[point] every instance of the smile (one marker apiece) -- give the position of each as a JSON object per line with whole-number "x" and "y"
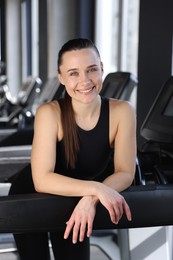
{"x": 86, "y": 90}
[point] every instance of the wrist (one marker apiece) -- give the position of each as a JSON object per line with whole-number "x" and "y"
{"x": 97, "y": 187}
{"x": 95, "y": 200}
{"x": 92, "y": 199}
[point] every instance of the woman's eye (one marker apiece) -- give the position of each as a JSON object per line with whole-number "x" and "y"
{"x": 75, "y": 73}
{"x": 92, "y": 69}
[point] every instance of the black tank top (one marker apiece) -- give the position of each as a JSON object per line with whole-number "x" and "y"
{"x": 95, "y": 159}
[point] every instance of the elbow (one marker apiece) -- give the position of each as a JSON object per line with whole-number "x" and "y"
{"x": 130, "y": 179}
{"x": 40, "y": 182}
{"x": 39, "y": 186}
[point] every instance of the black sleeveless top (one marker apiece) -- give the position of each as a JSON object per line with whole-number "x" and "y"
{"x": 95, "y": 158}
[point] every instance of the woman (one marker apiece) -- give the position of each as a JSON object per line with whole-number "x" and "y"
{"x": 84, "y": 145}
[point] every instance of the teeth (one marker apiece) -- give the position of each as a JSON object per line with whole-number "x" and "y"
{"x": 85, "y": 91}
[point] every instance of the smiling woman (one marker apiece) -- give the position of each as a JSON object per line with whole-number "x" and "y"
{"x": 73, "y": 154}
{"x": 81, "y": 72}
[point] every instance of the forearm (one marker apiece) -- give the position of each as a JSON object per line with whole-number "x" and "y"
{"x": 58, "y": 184}
{"x": 119, "y": 181}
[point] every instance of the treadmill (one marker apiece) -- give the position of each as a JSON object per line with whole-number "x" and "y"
{"x": 18, "y": 140}
{"x": 156, "y": 176}
{"x": 157, "y": 151}
{"x": 119, "y": 85}
{"x": 13, "y": 111}
{"x": 30, "y": 98}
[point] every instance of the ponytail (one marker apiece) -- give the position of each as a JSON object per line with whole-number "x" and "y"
{"x": 71, "y": 142}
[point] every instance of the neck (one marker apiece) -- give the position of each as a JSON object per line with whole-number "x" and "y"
{"x": 87, "y": 115}
{"x": 86, "y": 109}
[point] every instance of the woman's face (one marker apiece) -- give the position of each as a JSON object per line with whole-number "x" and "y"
{"x": 81, "y": 72}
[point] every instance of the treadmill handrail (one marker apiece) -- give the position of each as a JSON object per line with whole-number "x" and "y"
{"x": 150, "y": 206}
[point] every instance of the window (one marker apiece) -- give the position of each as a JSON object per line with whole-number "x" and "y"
{"x": 116, "y": 34}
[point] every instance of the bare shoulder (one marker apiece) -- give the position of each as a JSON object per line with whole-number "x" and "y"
{"x": 48, "y": 118}
{"x": 48, "y": 110}
{"x": 121, "y": 108}
{"x": 122, "y": 119}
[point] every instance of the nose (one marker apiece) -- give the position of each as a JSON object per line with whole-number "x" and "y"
{"x": 84, "y": 78}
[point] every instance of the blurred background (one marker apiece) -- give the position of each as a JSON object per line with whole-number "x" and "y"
{"x": 135, "y": 41}
{"x": 33, "y": 31}
{"x": 132, "y": 35}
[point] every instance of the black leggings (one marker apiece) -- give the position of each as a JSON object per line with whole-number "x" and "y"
{"x": 34, "y": 246}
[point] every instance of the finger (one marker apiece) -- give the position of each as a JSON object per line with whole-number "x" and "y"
{"x": 82, "y": 231}
{"x": 112, "y": 214}
{"x": 118, "y": 213}
{"x": 127, "y": 211}
{"x": 90, "y": 227}
{"x": 75, "y": 232}
{"x": 69, "y": 226}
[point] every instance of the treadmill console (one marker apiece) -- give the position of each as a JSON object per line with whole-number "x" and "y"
{"x": 158, "y": 125}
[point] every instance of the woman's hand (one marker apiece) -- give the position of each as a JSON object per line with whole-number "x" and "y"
{"x": 114, "y": 202}
{"x": 81, "y": 220}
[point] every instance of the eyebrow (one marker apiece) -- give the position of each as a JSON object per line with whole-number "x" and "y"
{"x": 90, "y": 66}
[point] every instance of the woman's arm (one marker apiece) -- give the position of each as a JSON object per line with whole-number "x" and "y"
{"x": 123, "y": 135}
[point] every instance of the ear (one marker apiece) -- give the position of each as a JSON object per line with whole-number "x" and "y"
{"x": 60, "y": 78}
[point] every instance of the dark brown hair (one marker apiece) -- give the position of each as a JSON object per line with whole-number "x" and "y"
{"x": 71, "y": 142}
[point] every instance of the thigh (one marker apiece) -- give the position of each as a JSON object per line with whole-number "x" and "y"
{"x": 65, "y": 249}
{"x": 32, "y": 246}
